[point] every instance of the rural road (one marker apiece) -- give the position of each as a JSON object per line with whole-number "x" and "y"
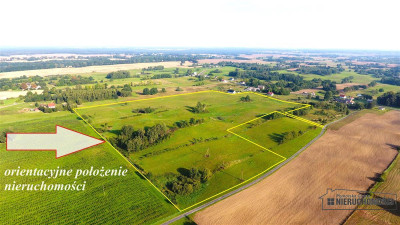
{"x": 254, "y": 181}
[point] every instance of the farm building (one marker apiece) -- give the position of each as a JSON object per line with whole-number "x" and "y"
{"x": 252, "y": 89}
{"x": 30, "y": 86}
{"x": 345, "y": 99}
{"x": 231, "y": 91}
{"x": 270, "y": 93}
{"x": 308, "y": 93}
{"x": 51, "y": 105}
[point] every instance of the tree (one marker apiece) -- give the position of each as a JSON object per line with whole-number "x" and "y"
{"x": 327, "y": 96}
{"x": 24, "y": 86}
{"x": 146, "y": 91}
{"x": 372, "y": 84}
{"x": 153, "y": 91}
{"x": 200, "y": 108}
{"x": 245, "y": 99}
{"x": 178, "y": 89}
{"x": 163, "y": 90}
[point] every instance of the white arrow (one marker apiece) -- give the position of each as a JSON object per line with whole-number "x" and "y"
{"x": 64, "y": 141}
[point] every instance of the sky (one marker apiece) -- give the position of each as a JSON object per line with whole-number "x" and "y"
{"x": 310, "y": 24}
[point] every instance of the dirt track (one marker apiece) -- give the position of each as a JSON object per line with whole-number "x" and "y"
{"x": 346, "y": 158}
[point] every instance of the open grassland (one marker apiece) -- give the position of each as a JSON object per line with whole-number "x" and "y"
{"x": 374, "y": 91}
{"x": 206, "y": 145}
{"x": 358, "y": 78}
{"x": 389, "y": 184}
{"x": 129, "y": 199}
{"x": 88, "y": 69}
{"x": 15, "y": 94}
{"x": 346, "y": 158}
{"x": 269, "y": 133}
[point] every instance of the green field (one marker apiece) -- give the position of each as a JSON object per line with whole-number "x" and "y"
{"x": 268, "y": 133}
{"x": 207, "y": 145}
{"x": 129, "y": 200}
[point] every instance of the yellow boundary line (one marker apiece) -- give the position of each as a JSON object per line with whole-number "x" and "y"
{"x": 228, "y": 130}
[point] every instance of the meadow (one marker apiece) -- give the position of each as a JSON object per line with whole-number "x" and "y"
{"x": 129, "y": 199}
{"x": 206, "y": 145}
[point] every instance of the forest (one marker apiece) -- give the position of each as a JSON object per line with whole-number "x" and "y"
{"x": 320, "y": 70}
{"x": 76, "y": 95}
{"x": 390, "y": 99}
{"x": 132, "y": 140}
{"x": 94, "y": 61}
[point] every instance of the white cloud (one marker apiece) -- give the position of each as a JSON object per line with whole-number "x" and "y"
{"x": 345, "y": 24}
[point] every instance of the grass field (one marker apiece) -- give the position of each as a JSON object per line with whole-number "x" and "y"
{"x": 268, "y": 133}
{"x": 242, "y": 159}
{"x": 127, "y": 199}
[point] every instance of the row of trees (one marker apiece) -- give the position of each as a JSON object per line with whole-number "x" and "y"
{"x": 132, "y": 140}
{"x": 152, "y": 91}
{"x": 354, "y": 88}
{"x": 69, "y": 80}
{"x": 160, "y": 76}
{"x": 75, "y": 95}
{"x": 121, "y": 74}
{"x": 144, "y": 110}
{"x": 188, "y": 123}
{"x": 152, "y": 68}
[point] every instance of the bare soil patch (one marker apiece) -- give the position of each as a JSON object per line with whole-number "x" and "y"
{"x": 315, "y": 90}
{"x": 215, "y": 61}
{"x": 88, "y": 69}
{"x": 342, "y": 86}
{"x": 14, "y": 94}
{"x": 346, "y": 158}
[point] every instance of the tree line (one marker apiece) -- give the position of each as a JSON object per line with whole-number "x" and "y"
{"x": 77, "y": 95}
{"x": 121, "y": 74}
{"x": 320, "y": 70}
{"x": 96, "y": 61}
{"x": 132, "y": 140}
{"x": 389, "y": 99}
{"x": 69, "y": 80}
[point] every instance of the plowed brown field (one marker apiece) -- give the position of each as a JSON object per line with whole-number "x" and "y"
{"x": 346, "y": 158}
